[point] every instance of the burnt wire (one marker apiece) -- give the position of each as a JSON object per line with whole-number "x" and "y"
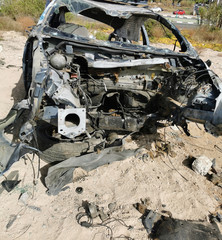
{"x": 109, "y": 229}
{"x": 197, "y": 126}
{"x": 176, "y": 169}
{"x": 188, "y": 89}
{"x": 111, "y": 220}
{"x": 38, "y": 166}
{"x": 168, "y": 35}
{"x": 93, "y": 107}
{"x": 89, "y": 223}
{"x": 121, "y": 106}
{"x": 124, "y": 237}
{"x": 34, "y": 173}
{"x": 37, "y": 153}
{"x": 33, "y": 169}
{"x": 23, "y": 232}
{"x": 85, "y": 98}
{"x": 80, "y": 216}
{"x": 99, "y": 81}
{"x": 5, "y": 177}
{"x": 196, "y": 80}
{"x": 173, "y": 167}
{"x": 88, "y": 95}
{"x": 218, "y": 148}
{"x": 109, "y": 113}
{"x": 200, "y": 71}
{"x": 198, "y": 146}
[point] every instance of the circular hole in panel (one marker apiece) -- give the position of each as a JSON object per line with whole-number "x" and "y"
{"x": 72, "y": 120}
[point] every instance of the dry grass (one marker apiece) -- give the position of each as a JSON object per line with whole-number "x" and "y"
{"x": 204, "y": 37}
{"x": 204, "y": 34}
{"x": 26, "y": 22}
{"x": 158, "y": 32}
{"x": 20, "y": 25}
{"x": 8, "y": 24}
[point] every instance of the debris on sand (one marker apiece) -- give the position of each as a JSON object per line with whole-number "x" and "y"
{"x": 202, "y": 165}
{"x": 159, "y": 226}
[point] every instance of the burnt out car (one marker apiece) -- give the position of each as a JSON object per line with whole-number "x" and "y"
{"x": 85, "y": 87}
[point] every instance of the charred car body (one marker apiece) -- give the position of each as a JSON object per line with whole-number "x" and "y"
{"x": 82, "y": 91}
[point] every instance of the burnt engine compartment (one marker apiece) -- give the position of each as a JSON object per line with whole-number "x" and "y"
{"x": 95, "y": 90}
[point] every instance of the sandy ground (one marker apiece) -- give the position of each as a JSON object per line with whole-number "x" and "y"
{"x": 165, "y": 182}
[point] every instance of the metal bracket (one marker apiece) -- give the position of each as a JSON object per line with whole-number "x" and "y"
{"x": 71, "y": 122}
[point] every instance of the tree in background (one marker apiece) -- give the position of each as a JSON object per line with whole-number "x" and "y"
{"x": 213, "y": 15}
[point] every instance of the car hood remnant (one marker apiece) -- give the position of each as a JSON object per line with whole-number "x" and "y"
{"x": 163, "y": 227}
{"x": 91, "y": 75}
{"x": 62, "y": 173}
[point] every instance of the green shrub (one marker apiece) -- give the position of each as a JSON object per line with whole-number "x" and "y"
{"x": 214, "y": 15}
{"x": 157, "y": 30}
{"x": 70, "y": 17}
{"x": 101, "y": 36}
{"x": 16, "y": 8}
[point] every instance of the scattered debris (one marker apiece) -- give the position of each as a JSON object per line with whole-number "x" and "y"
{"x": 103, "y": 216}
{"x": 2, "y": 62}
{"x": 24, "y": 197}
{"x": 79, "y": 174}
{"x": 112, "y": 207}
{"x": 9, "y": 185}
{"x": 145, "y": 201}
{"x": 34, "y": 208}
{"x": 142, "y": 154}
{"x": 163, "y": 227}
{"x": 91, "y": 214}
{"x": 159, "y": 148}
{"x": 202, "y": 165}
{"x": 170, "y": 229}
{"x": 144, "y": 157}
{"x": 79, "y": 190}
{"x": 62, "y": 173}
{"x": 26, "y": 229}
{"x": 216, "y": 179}
{"x": 216, "y": 217}
{"x": 12, "y": 218}
{"x": 11, "y": 181}
{"x": 93, "y": 210}
{"x": 218, "y": 148}
{"x": 13, "y": 66}
{"x": 140, "y": 207}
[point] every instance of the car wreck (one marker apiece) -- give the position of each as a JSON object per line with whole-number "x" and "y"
{"x": 83, "y": 92}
